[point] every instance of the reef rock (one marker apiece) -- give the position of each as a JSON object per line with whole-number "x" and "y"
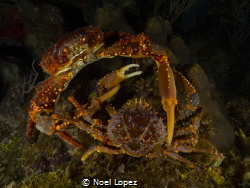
{"x": 158, "y": 30}
{"x": 111, "y": 18}
{"x": 180, "y": 50}
{"x": 223, "y": 137}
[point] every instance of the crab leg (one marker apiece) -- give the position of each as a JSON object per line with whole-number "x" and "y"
{"x": 107, "y": 87}
{"x": 167, "y": 90}
{"x": 116, "y": 77}
{"x": 193, "y": 127}
{"x": 101, "y": 149}
{"x": 65, "y": 136}
{"x": 45, "y": 99}
{"x": 94, "y": 132}
{"x": 192, "y": 97}
{"x": 94, "y": 105}
{"x": 140, "y": 46}
{"x": 174, "y": 156}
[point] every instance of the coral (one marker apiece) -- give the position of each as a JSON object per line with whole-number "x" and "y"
{"x": 246, "y": 83}
{"x": 177, "y": 7}
{"x": 239, "y": 113}
{"x": 215, "y": 174}
{"x": 243, "y": 142}
{"x": 12, "y": 111}
{"x": 42, "y": 25}
{"x": 223, "y": 136}
{"x": 158, "y": 30}
{"x": 24, "y": 23}
{"x": 9, "y": 74}
{"x": 28, "y": 85}
{"x": 180, "y": 50}
{"x": 241, "y": 29}
{"x": 50, "y": 179}
{"x": 32, "y": 162}
{"x": 111, "y": 18}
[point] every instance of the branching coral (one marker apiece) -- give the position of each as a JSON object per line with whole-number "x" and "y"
{"x": 28, "y": 86}
{"x": 173, "y": 7}
{"x": 241, "y": 30}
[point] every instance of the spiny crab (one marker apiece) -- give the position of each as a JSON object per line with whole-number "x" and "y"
{"x": 135, "y": 130}
{"x": 75, "y": 50}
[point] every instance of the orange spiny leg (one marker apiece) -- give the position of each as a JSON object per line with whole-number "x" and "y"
{"x": 174, "y": 156}
{"x": 171, "y": 152}
{"x": 168, "y": 94}
{"x": 193, "y": 127}
{"x": 191, "y": 130}
{"x": 65, "y": 136}
{"x": 192, "y": 97}
{"x": 188, "y": 149}
{"x": 137, "y": 46}
{"x": 107, "y": 87}
{"x": 47, "y": 125}
{"x": 140, "y": 46}
{"x": 81, "y": 109}
{"x": 94, "y": 132}
{"x": 101, "y": 149}
{"x": 44, "y": 101}
{"x": 93, "y": 105}
{"x": 30, "y": 127}
{"x": 63, "y": 60}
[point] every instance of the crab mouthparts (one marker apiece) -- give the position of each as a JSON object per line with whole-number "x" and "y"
{"x": 134, "y": 145}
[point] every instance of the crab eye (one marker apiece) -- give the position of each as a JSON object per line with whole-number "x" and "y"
{"x": 65, "y": 50}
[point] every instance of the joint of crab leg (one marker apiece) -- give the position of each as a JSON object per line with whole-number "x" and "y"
{"x": 176, "y": 156}
{"x": 61, "y": 126}
{"x": 169, "y": 107}
{"x": 192, "y": 97}
{"x": 95, "y": 104}
{"x": 116, "y": 77}
{"x": 30, "y": 127}
{"x": 81, "y": 110}
{"x": 96, "y": 133}
{"x": 101, "y": 149}
{"x": 45, "y": 124}
{"x": 168, "y": 94}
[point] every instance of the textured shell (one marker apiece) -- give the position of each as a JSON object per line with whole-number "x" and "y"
{"x": 71, "y": 48}
{"x": 136, "y": 128}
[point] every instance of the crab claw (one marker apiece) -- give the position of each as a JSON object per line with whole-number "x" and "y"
{"x": 116, "y": 77}
{"x": 107, "y": 87}
{"x": 167, "y": 90}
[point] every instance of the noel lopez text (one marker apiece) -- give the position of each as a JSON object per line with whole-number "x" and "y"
{"x": 123, "y": 183}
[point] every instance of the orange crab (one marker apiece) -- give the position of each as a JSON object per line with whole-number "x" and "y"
{"x": 75, "y": 50}
{"x": 135, "y": 129}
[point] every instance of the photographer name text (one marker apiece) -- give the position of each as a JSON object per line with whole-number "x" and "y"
{"x": 122, "y": 183}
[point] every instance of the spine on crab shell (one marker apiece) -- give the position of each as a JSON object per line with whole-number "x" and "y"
{"x": 46, "y": 96}
{"x": 76, "y": 46}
